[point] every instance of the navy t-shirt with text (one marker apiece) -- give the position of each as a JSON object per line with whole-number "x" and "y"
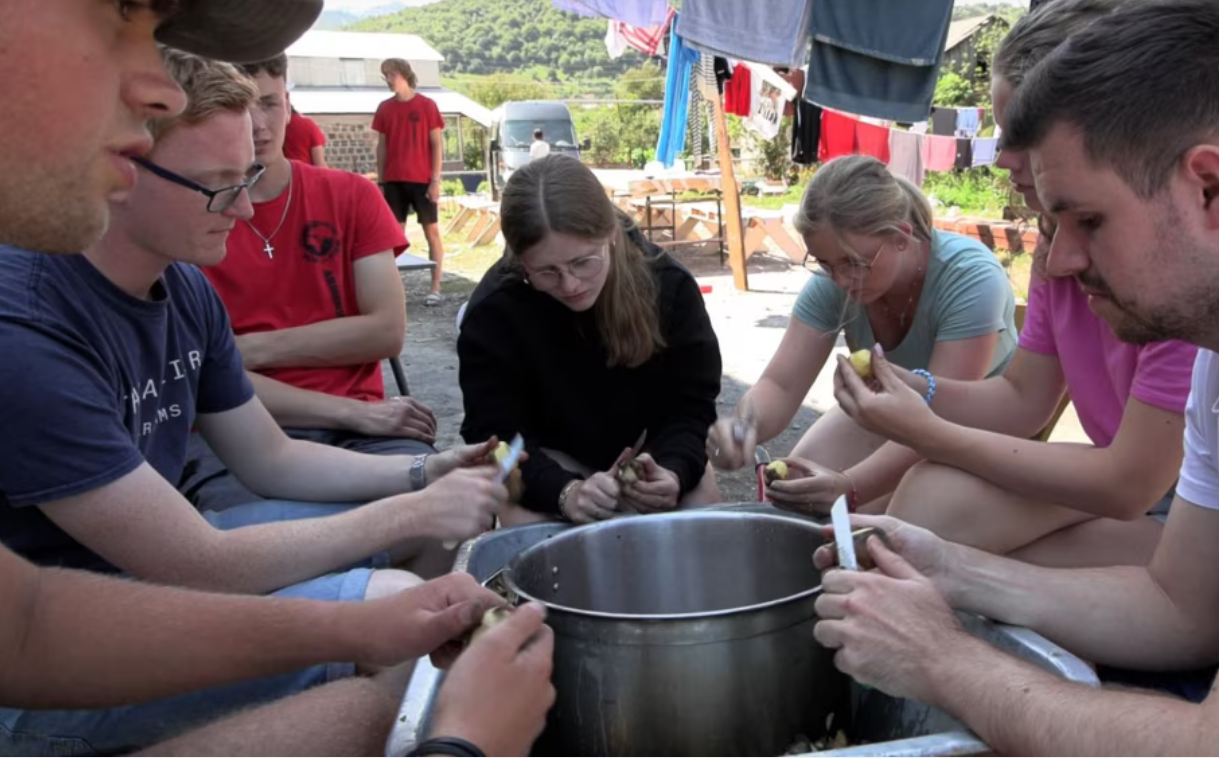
{"x": 94, "y": 382}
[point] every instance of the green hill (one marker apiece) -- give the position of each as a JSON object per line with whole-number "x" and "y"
{"x": 509, "y": 36}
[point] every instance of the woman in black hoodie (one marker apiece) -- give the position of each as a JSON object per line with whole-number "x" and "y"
{"x": 582, "y": 337}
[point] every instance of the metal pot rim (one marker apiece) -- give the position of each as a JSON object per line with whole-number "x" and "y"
{"x": 525, "y": 596}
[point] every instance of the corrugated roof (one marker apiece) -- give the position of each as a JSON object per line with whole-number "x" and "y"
{"x": 321, "y": 44}
{"x": 959, "y": 31}
{"x": 365, "y": 100}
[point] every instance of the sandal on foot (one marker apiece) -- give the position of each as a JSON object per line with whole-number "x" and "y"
{"x": 433, "y": 299}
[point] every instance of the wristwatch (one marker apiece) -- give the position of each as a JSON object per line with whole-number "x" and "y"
{"x": 419, "y": 472}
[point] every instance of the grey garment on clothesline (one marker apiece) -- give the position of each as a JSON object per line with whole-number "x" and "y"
{"x": 774, "y": 32}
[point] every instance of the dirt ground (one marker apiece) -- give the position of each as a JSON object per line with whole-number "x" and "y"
{"x": 749, "y": 326}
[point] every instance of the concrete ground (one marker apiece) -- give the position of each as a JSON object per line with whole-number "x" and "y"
{"x": 749, "y": 326}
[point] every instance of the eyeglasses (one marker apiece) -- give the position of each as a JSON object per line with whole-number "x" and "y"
{"x": 852, "y": 268}
{"x": 218, "y": 201}
{"x": 583, "y": 269}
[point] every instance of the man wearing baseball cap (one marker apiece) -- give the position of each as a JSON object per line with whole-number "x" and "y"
{"x": 74, "y": 640}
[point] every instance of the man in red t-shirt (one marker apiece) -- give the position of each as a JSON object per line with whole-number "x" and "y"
{"x": 410, "y": 150}
{"x": 304, "y": 141}
{"x": 316, "y": 302}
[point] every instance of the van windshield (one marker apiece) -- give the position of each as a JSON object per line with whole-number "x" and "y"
{"x": 518, "y": 134}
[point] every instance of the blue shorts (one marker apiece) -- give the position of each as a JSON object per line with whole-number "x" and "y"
{"x": 92, "y": 732}
{"x": 1193, "y": 685}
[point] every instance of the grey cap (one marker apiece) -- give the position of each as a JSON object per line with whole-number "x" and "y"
{"x": 238, "y": 31}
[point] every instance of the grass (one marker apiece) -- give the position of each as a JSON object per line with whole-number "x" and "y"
{"x": 981, "y": 191}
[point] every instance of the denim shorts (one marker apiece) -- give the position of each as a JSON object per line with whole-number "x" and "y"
{"x": 92, "y": 732}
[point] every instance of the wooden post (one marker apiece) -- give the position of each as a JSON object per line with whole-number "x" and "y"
{"x": 732, "y": 200}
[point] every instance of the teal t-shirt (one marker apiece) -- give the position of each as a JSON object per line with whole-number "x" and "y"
{"x": 966, "y": 294}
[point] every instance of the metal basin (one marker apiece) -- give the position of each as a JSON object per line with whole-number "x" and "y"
{"x": 888, "y": 726}
{"x": 683, "y": 633}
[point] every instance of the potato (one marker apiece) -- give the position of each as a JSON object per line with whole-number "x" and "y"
{"x": 861, "y": 362}
{"x": 491, "y": 618}
{"x": 775, "y": 470}
{"x": 501, "y": 452}
{"x": 628, "y": 472}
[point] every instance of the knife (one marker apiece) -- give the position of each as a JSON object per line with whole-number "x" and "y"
{"x": 859, "y": 539}
{"x": 509, "y": 463}
{"x": 637, "y": 448}
{"x": 842, "y": 535}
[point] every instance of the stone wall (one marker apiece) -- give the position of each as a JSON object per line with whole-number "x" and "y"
{"x": 351, "y": 143}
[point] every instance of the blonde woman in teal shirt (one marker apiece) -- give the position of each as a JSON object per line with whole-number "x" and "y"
{"x": 933, "y": 300}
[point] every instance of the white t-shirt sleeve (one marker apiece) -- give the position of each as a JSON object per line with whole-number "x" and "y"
{"x": 1199, "y": 483}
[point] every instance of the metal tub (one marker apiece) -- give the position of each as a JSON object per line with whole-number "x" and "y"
{"x": 888, "y": 727}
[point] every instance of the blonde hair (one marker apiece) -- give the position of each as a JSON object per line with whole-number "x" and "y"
{"x": 560, "y": 194}
{"x": 857, "y": 194}
{"x": 399, "y": 66}
{"x": 211, "y": 87}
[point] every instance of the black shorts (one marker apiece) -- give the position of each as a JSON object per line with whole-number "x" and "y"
{"x": 403, "y": 196}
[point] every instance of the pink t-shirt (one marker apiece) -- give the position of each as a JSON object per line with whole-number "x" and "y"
{"x": 1102, "y": 372}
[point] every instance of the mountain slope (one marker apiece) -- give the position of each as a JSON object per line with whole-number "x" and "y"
{"x": 508, "y": 36}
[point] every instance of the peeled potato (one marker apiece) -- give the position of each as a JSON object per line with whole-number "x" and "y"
{"x": 628, "y": 473}
{"x": 491, "y": 618}
{"x": 861, "y": 362}
{"x": 501, "y": 452}
{"x": 775, "y": 470}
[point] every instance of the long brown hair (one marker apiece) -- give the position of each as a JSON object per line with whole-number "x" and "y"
{"x": 559, "y": 194}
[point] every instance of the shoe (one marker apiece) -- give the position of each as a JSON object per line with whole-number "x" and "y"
{"x": 433, "y": 299}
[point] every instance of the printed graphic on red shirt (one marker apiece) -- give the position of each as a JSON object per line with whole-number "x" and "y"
{"x": 407, "y": 126}
{"x": 336, "y": 218}
{"x": 301, "y": 137}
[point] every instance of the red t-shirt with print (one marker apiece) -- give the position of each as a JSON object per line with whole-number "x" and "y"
{"x": 407, "y": 126}
{"x": 301, "y": 137}
{"x": 335, "y": 219}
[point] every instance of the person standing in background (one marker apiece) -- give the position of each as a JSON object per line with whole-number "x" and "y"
{"x": 410, "y": 150}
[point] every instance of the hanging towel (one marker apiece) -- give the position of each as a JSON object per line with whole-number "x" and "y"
{"x": 944, "y": 121}
{"x": 877, "y": 57}
{"x": 633, "y": 12}
{"x": 906, "y": 155}
{"x": 649, "y": 40}
{"x": 939, "y": 153}
{"x": 872, "y": 140}
{"x": 967, "y": 122}
{"x": 806, "y": 132}
{"x": 615, "y": 43}
{"x": 738, "y": 93}
{"x": 677, "y": 97}
{"x": 965, "y": 153}
{"x": 986, "y": 149}
{"x": 837, "y": 135}
{"x": 919, "y": 127}
{"x": 776, "y": 33}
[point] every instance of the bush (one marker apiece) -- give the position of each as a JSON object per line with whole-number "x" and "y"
{"x": 980, "y": 191}
{"x": 452, "y": 187}
{"x": 483, "y": 187}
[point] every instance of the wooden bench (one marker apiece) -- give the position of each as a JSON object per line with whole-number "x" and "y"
{"x": 482, "y": 218}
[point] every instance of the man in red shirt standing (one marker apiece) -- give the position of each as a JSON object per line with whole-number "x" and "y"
{"x": 409, "y": 155}
{"x": 316, "y": 302}
{"x": 304, "y": 141}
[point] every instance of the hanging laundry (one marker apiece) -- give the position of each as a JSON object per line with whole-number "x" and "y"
{"x": 649, "y": 40}
{"x": 877, "y": 57}
{"x": 919, "y": 127}
{"x": 985, "y": 150}
{"x": 965, "y": 154}
{"x": 723, "y": 72}
{"x": 777, "y": 34}
{"x": 837, "y": 135}
{"x": 906, "y": 155}
{"x": 765, "y": 107}
{"x": 872, "y": 140}
{"x": 615, "y": 43}
{"x": 939, "y": 153}
{"x": 694, "y": 116}
{"x": 633, "y": 12}
{"x": 967, "y": 122}
{"x": 806, "y": 132}
{"x": 738, "y": 93}
{"x": 677, "y": 95}
{"x": 944, "y": 121}
{"x": 795, "y": 78}
{"x": 706, "y": 78}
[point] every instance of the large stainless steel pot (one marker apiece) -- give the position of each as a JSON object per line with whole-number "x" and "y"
{"x": 682, "y": 634}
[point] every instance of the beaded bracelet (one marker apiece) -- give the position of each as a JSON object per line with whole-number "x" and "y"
{"x": 930, "y": 396}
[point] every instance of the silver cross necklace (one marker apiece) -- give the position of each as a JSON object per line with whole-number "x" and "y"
{"x": 268, "y": 248}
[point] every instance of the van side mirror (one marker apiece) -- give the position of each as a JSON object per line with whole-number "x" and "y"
{"x": 587, "y": 144}
{"x": 494, "y": 146}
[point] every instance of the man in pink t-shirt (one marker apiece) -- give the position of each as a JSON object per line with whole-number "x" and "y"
{"x": 984, "y": 483}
